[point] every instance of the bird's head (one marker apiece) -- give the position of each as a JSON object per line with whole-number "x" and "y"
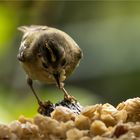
{"x": 38, "y": 45}
{"x": 53, "y": 59}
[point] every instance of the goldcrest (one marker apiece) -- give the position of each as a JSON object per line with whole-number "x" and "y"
{"x": 48, "y": 55}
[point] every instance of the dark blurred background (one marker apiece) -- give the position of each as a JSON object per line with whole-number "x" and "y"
{"x": 108, "y": 33}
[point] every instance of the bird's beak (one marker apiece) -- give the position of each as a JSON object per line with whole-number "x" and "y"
{"x": 57, "y": 78}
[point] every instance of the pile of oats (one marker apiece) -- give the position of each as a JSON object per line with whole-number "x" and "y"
{"x": 97, "y": 122}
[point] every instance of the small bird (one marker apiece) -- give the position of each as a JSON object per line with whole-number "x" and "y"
{"x": 48, "y": 55}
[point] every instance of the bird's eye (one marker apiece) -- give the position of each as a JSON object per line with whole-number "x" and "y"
{"x": 45, "y": 65}
{"x": 27, "y": 43}
{"x": 63, "y": 62}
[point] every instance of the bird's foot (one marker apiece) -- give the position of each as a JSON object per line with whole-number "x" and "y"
{"x": 69, "y": 98}
{"x": 45, "y": 108}
{"x": 46, "y": 103}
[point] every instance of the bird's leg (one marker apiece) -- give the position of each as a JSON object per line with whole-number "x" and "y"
{"x": 44, "y": 107}
{"x": 68, "y": 97}
{"x": 30, "y": 83}
{"x": 60, "y": 85}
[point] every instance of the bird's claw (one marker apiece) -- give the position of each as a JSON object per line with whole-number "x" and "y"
{"x": 69, "y": 98}
{"x": 45, "y": 107}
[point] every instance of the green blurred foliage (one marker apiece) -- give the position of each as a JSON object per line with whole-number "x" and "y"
{"x": 14, "y": 104}
{"x": 7, "y": 25}
{"x": 108, "y": 33}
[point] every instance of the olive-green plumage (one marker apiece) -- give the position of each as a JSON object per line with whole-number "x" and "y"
{"x": 48, "y": 54}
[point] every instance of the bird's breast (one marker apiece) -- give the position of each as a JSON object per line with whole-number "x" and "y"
{"x": 36, "y": 72}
